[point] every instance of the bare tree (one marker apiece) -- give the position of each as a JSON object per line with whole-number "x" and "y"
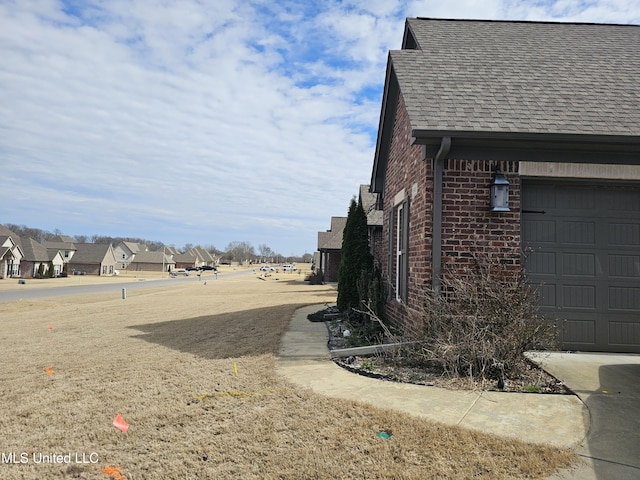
{"x": 240, "y": 251}
{"x": 265, "y": 252}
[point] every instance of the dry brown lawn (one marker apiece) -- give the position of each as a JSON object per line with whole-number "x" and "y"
{"x": 190, "y": 367}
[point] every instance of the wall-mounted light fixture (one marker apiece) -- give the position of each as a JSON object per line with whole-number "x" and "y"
{"x": 499, "y": 192}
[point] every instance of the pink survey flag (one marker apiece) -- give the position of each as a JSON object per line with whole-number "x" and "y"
{"x": 120, "y": 423}
{"x": 51, "y": 327}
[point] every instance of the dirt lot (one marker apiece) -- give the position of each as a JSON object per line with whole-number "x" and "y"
{"x": 190, "y": 368}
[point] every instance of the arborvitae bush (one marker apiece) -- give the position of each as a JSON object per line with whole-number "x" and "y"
{"x": 356, "y": 260}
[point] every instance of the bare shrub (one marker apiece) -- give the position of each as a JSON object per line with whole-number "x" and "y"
{"x": 316, "y": 278}
{"x": 483, "y": 321}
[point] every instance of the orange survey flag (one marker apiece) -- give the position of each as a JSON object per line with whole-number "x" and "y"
{"x": 120, "y": 423}
{"x": 113, "y": 472}
{"x": 49, "y": 371}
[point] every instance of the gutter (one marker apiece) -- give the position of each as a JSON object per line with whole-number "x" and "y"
{"x": 436, "y": 235}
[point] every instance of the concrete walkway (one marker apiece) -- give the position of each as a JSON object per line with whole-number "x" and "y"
{"x": 560, "y": 420}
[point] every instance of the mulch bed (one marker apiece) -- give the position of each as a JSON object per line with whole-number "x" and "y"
{"x": 398, "y": 368}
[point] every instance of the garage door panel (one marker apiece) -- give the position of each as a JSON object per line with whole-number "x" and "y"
{"x": 543, "y": 197}
{"x": 624, "y": 333}
{"x": 624, "y": 234}
{"x": 540, "y": 231}
{"x": 579, "y": 296}
{"x": 547, "y": 295}
{"x": 624, "y": 298}
{"x": 621, "y": 266}
{"x": 583, "y": 244}
{"x": 582, "y": 233}
{"x": 576, "y": 198}
{"x": 579, "y": 264}
{"x": 541, "y": 263}
{"x": 580, "y": 331}
{"x": 624, "y": 201}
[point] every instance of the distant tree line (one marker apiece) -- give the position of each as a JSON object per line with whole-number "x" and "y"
{"x": 236, "y": 251}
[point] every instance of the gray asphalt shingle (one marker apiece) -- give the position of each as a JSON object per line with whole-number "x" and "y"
{"x": 526, "y": 77}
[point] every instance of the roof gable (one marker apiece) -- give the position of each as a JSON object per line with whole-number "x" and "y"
{"x": 332, "y": 239}
{"x": 369, "y": 202}
{"x": 541, "y": 88}
{"x": 33, "y": 251}
{"x": 5, "y": 232}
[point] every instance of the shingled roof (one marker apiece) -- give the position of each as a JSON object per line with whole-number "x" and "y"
{"x": 34, "y": 251}
{"x": 537, "y": 91}
{"x": 529, "y": 77}
{"x": 90, "y": 253}
{"x": 332, "y": 239}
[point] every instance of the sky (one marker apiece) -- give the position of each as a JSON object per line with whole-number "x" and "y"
{"x": 206, "y": 122}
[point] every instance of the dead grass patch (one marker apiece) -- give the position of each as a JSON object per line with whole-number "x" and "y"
{"x": 191, "y": 368}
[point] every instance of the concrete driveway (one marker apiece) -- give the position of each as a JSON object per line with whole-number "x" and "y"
{"x": 609, "y": 386}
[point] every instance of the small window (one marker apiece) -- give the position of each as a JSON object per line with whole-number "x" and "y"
{"x": 398, "y": 250}
{"x": 401, "y": 251}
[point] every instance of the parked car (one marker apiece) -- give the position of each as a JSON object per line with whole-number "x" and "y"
{"x": 208, "y": 267}
{"x": 192, "y": 268}
{"x": 287, "y": 267}
{"x": 267, "y": 268}
{"x": 180, "y": 271}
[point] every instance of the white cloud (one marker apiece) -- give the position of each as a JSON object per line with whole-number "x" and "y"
{"x": 205, "y": 121}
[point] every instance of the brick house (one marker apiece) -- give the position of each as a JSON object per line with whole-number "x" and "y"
{"x": 330, "y": 248}
{"x": 93, "y": 259}
{"x": 152, "y": 262}
{"x": 125, "y": 252}
{"x": 35, "y": 255}
{"x": 10, "y": 254}
{"x": 555, "y": 109}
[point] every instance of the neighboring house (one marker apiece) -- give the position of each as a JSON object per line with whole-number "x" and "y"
{"x": 63, "y": 239}
{"x": 61, "y": 244}
{"x": 35, "y": 254}
{"x": 186, "y": 260}
{"x": 371, "y": 207}
{"x": 10, "y": 256}
{"x": 554, "y": 109}
{"x": 204, "y": 257}
{"x": 126, "y": 251}
{"x": 330, "y": 248}
{"x": 152, "y": 262}
{"x": 93, "y": 259}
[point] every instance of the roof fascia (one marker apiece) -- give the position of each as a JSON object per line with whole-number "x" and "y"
{"x": 409, "y": 41}
{"x": 533, "y": 147}
{"x": 385, "y": 127}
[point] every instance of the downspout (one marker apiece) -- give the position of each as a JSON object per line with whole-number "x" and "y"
{"x": 436, "y": 235}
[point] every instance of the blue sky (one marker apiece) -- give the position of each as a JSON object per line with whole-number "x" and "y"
{"x": 207, "y": 122}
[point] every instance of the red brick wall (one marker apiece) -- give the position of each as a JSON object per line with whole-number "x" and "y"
{"x": 468, "y": 224}
{"x": 332, "y": 266}
{"x": 407, "y": 169}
